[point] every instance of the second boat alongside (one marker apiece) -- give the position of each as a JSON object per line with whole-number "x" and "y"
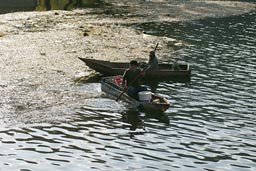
{"x": 164, "y": 71}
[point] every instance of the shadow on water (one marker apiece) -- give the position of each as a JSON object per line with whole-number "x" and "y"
{"x": 154, "y": 84}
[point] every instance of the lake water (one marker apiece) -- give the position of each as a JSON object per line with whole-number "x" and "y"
{"x": 210, "y": 125}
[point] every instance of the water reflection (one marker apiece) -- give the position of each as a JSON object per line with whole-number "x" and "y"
{"x": 44, "y": 5}
{"x": 136, "y": 119}
{"x": 17, "y": 5}
{"x": 133, "y": 118}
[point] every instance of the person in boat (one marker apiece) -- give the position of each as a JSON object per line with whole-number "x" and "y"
{"x": 131, "y": 80}
{"x": 153, "y": 61}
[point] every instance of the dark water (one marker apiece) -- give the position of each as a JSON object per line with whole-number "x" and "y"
{"x": 7, "y": 6}
{"x": 211, "y": 122}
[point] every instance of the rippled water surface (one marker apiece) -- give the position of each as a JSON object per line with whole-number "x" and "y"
{"x": 210, "y": 126}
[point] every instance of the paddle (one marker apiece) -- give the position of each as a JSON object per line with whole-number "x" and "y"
{"x": 156, "y": 47}
{"x": 137, "y": 76}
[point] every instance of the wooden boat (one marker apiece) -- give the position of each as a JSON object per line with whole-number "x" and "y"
{"x": 112, "y": 87}
{"x": 164, "y": 71}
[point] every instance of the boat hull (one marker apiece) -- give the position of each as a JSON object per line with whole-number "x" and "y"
{"x": 165, "y": 71}
{"x": 113, "y": 90}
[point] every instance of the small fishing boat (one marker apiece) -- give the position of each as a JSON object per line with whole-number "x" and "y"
{"x": 149, "y": 103}
{"x": 164, "y": 71}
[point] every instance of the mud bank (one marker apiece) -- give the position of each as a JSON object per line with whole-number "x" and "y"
{"x": 39, "y": 50}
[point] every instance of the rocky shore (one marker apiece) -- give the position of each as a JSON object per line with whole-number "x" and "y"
{"x": 39, "y": 50}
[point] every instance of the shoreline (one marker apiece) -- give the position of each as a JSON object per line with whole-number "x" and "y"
{"x": 39, "y": 51}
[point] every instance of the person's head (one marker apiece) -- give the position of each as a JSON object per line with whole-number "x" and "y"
{"x": 152, "y": 54}
{"x": 134, "y": 64}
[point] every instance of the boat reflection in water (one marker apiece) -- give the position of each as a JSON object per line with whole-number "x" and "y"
{"x": 136, "y": 119}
